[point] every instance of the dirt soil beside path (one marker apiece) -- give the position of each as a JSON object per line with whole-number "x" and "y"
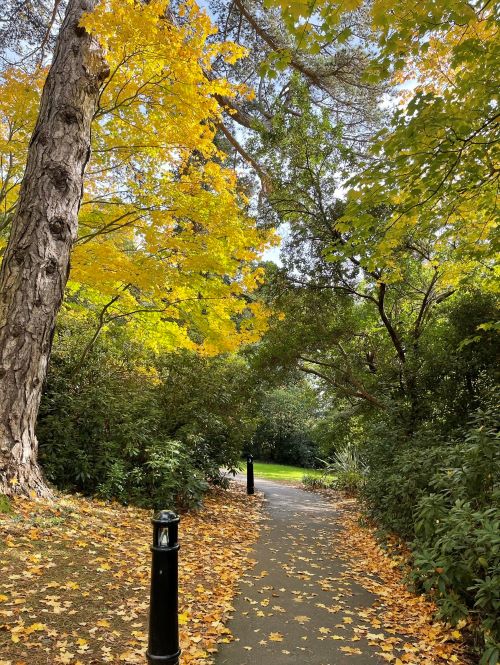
{"x": 324, "y": 593}
{"x": 74, "y": 578}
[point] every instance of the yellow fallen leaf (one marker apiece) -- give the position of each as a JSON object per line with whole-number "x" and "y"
{"x": 104, "y": 566}
{"x": 34, "y": 627}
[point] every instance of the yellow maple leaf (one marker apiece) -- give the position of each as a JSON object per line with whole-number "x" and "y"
{"x": 302, "y": 619}
{"x": 34, "y": 627}
{"x": 103, "y": 623}
{"x": 104, "y": 566}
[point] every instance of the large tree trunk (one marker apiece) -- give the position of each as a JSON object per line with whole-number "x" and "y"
{"x": 35, "y": 267}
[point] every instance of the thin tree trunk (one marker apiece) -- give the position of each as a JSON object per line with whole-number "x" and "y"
{"x": 35, "y": 267}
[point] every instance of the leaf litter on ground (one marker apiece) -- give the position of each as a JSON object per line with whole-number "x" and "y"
{"x": 75, "y": 585}
{"x": 75, "y": 575}
{"x": 402, "y": 624}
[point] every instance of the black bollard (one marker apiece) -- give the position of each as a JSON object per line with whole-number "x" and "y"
{"x": 250, "y": 484}
{"x": 163, "y": 646}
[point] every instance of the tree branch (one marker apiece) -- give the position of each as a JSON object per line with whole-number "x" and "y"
{"x": 263, "y": 177}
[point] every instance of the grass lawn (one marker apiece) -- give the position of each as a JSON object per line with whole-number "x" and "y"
{"x": 281, "y": 471}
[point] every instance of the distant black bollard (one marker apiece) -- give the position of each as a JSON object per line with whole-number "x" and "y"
{"x": 163, "y": 646}
{"x": 250, "y": 484}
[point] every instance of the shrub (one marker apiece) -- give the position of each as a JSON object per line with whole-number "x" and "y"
{"x": 346, "y": 469}
{"x": 315, "y": 482}
{"x": 443, "y": 494}
{"x": 139, "y": 429}
{"x": 350, "y": 482}
{"x": 457, "y": 560}
{"x": 166, "y": 477}
{"x": 457, "y": 526}
{"x": 399, "y": 474}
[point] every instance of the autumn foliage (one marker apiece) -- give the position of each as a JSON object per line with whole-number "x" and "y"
{"x": 164, "y": 241}
{"x": 369, "y": 133}
{"x": 75, "y": 579}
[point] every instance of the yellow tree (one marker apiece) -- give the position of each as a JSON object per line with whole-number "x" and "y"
{"x": 160, "y": 237}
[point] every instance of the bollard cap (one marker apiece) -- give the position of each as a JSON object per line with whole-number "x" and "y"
{"x": 165, "y": 517}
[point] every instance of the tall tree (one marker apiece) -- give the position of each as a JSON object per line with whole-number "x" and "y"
{"x": 333, "y": 70}
{"x": 365, "y": 323}
{"x": 36, "y": 263}
{"x": 164, "y": 248}
{"x": 163, "y": 243}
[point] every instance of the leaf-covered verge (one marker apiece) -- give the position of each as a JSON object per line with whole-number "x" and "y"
{"x": 75, "y": 578}
{"x": 397, "y": 611}
{"x": 446, "y": 495}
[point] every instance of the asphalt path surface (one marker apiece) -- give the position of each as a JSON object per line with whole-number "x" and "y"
{"x": 297, "y": 604}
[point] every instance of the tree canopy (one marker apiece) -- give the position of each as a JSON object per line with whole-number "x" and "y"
{"x": 165, "y": 148}
{"x": 164, "y": 238}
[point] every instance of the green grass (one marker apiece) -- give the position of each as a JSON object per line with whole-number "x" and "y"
{"x": 280, "y": 471}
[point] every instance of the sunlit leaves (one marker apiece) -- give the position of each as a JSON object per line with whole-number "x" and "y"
{"x": 19, "y": 99}
{"x": 433, "y": 172}
{"x": 163, "y": 236}
{"x": 181, "y": 237}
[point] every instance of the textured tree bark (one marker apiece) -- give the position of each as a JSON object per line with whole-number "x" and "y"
{"x": 36, "y": 263}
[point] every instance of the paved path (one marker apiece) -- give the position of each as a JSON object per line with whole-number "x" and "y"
{"x": 296, "y": 605}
